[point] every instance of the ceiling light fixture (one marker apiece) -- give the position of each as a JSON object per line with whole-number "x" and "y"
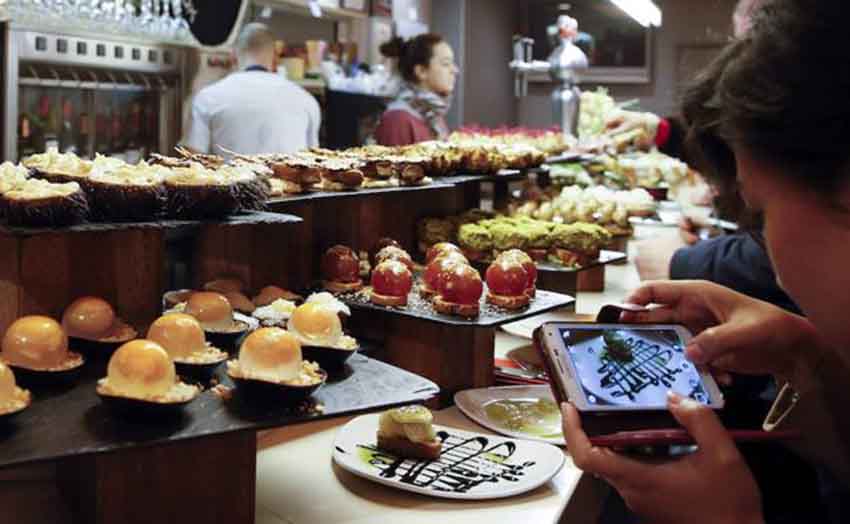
{"x": 645, "y": 12}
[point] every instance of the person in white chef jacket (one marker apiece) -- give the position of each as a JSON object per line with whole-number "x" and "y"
{"x": 253, "y": 110}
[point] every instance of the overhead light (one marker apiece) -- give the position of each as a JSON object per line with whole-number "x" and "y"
{"x": 645, "y": 12}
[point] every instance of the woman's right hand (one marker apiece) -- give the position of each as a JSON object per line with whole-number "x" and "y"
{"x": 732, "y": 332}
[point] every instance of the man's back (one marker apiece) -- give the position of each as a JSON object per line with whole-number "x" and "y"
{"x": 254, "y": 112}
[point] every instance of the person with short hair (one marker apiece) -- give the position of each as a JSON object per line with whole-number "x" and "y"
{"x": 773, "y": 105}
{"x": 427, "y": 67}
{"x": 254, "y": 110}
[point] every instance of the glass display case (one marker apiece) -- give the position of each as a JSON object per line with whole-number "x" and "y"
{"x": 89, "y": 95}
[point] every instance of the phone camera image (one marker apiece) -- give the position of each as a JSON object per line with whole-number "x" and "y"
{"x": 631, "y": 366}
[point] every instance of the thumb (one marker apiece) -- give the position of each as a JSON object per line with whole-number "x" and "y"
{"x": 702, "y": 424}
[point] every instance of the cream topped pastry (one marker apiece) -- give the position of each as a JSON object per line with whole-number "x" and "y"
{"x": 408, "y": 432}
{"x": 12, "y": 176}
{"x": 33, "y": 188}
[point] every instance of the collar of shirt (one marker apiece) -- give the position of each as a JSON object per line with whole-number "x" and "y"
{"x": 256, "y": 68}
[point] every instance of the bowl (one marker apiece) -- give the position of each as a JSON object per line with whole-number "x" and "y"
{"x": 275, "y": 392}
{"x": 137, "y": 407}
{"x": 198, "y": 372}
{"x": 36, "y": 378}
{"x": 228, "y": 341}
{"x": 327, "y": 358}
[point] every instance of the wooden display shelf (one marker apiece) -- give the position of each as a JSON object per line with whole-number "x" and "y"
{"x": 43, "y": 270}
{"x": 455, "y": 353}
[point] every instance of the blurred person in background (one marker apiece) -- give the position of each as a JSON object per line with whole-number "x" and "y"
{"x": 427, "y": 66}
{"x": 253, "y": 110}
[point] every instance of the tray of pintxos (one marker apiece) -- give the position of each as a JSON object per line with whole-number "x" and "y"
{"x": 446, "y": 289}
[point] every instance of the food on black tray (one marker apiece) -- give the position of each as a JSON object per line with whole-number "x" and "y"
{"x": 12, "y": 397}
{"x": 577, "y": 245}
{"x": 92, "y": 319}
{"x": 394, "y": 253}
{"x": 213, "y": 311}
{"x": 507, "y": 282}
{"x": 269, "y": 294}
{"x": 183, "y": 338}
{"x": 239, "y": 302}
{"x": 439, "y": 249}
{"x": 391, "y": 283}
{"x": 224, "y": 285}
{"x": 476, "y": 241}
{"x": 11, "y": 177}
{"x": 124, "y": 192}
{"x": 141, "y": 370}
{"x": 530, "y": 268}
{"x": 38, "y": 343}
{"x": 197, "y": 192}
{"x": 39, "y": 203}
{"x": 408, "y": 432}
{"x": 318, "y": 324}
{"x": 273, "y": 355}
{"x": 459, "y": 290}
{"x": 435, "y": 270}
{"x": 341, "y": 270}
{"x": 57, "y": 167}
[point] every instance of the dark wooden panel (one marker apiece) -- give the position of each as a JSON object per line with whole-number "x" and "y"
{"x": 10, "y": 280}
{"x": 46, "y": 274}
{"x": 212, "y": 480}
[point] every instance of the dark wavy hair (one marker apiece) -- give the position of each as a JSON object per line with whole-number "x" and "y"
{"x": 782, "y": 92}
{"x": 411, "y": 53}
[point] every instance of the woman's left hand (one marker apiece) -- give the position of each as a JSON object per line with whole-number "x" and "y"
{"x": 711, "y": 485}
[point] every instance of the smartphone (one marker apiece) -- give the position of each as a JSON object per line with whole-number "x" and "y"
{"x": 618, "y": 376}
{"x": 623, "y": 367}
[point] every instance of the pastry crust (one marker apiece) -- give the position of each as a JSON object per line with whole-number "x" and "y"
{"x": 409, "y": 449}
{"x": 387, "y": 300}
{"x": 453, "y": 308}
{"x": 342, "y": 287}
{"x": 509, "y": 302}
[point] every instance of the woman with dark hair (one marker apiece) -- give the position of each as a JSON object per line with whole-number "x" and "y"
{"x": 774, "y": 106}
{"x": 427, "y": 66}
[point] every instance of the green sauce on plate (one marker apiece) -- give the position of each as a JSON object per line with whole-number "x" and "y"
{"x": 534, "y": 417}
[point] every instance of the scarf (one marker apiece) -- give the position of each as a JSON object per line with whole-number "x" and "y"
{"x": 427, "y": 105}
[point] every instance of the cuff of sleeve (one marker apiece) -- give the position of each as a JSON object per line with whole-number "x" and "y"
{"x": 679, "y": 264}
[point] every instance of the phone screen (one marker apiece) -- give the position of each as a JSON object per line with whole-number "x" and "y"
{"x": 629, "y": 366}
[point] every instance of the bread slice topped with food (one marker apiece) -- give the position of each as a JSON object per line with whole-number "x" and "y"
{"x": 408, "y": 432}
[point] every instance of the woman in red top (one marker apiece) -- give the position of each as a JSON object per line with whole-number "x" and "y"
{"x": 427, "y": 66}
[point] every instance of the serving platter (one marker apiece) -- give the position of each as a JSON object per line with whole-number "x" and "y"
{"x": 490, "y": 316}
{"x": 88, "y": 427}
{"x": 480, "y": 405}
{"x": 472, "y": 466}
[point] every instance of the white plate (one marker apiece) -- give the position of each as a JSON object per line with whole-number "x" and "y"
{"x": 473, "y": 403}
{"x": 525, "y": 328}
{"x": 472, "y": 466}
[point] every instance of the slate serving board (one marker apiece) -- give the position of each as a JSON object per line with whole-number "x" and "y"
{"x": 70, "y": 422}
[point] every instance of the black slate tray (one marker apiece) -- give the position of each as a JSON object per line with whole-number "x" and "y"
{"x": 244, "y": 218}
{"x": 490, "y": 316}
{"x": 62, "y": 423}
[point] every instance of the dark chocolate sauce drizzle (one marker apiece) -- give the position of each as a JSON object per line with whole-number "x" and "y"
{"x": 463, "y": 465}
{"x": 648, "y": 367}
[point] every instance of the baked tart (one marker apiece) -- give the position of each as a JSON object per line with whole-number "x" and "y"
{"x": 39, "y": 203}
{"x": 408, "y": 432}
{"x": 11, "y": 177}
{"x": 197, "y": 193}
{"x": 341, "y": 270}
{"x": 57, "y": 167}
{"x": 127, "y": 192}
